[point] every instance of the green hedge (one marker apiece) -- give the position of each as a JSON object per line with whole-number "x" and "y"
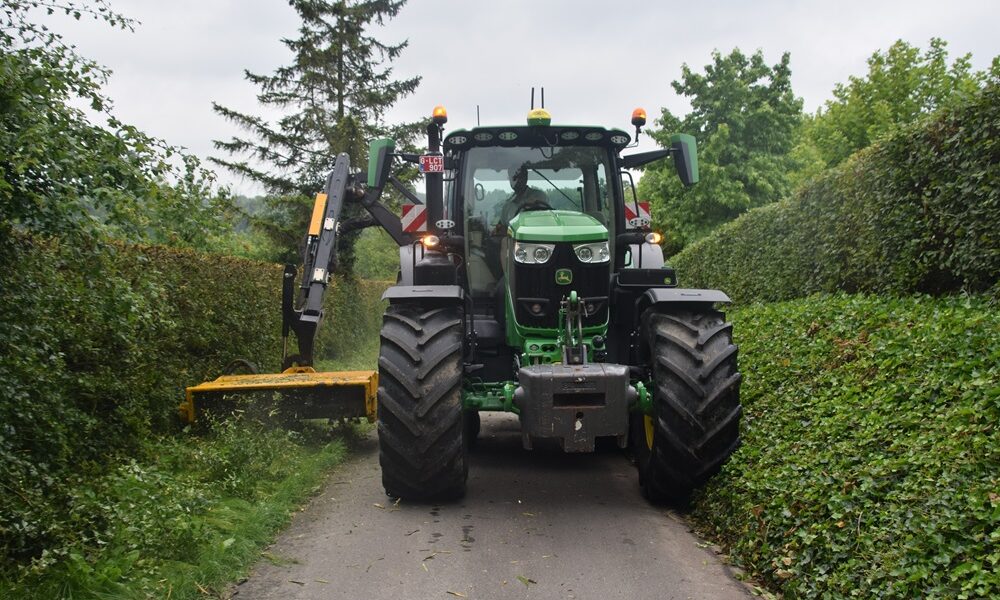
{"x": 870, "y": 464}
{"x": 99, "y": 341}
{"x": 917, "y": 212}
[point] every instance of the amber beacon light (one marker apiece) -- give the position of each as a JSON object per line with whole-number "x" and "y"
{"x": 639, "y": 117}
{"x": 440, "y": 115}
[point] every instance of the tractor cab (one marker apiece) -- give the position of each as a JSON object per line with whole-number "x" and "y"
{"x": 538, "y": 208}
{"x": 516, "y": 186}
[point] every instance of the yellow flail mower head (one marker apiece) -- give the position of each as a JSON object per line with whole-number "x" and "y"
{"x": 296, "y": 393}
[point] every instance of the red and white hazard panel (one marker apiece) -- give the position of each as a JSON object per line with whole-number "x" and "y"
{"x": 637, "y": 220}
{"x": 414, "y": 218}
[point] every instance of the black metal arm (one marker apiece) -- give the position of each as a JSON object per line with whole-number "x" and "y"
{"x": 321, "y": 247}
{"x": 318, "y": 259}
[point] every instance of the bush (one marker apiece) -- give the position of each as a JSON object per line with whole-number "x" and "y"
{"x": 870, "y": 449}
{"x": 917, "y": 212}
{"x": 376, "y": 255}
{"x": 100, "y": 341}
{"x": 190, "y": 514}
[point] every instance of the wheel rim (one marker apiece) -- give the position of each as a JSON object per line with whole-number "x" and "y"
{"x": 647, "y": 422}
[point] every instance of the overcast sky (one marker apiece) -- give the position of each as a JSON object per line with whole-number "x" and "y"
{"x": 597, "y": 59}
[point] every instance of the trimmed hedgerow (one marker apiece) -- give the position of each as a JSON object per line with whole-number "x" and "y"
{"x": 99, "y": 341}
{"x": 870, "y": 464}
{"x": 917, "y": 212}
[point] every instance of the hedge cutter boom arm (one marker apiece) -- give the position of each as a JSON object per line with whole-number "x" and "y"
{"x": 299, "y": 391}
{"x": 317, "y": 264}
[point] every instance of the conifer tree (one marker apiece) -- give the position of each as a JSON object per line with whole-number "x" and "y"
{"x": 334, "y": 95}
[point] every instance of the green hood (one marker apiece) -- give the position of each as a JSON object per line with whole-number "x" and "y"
{"x": 557, "y": 226}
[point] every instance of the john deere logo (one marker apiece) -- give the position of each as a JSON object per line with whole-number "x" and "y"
{"x": 564, "y": 277}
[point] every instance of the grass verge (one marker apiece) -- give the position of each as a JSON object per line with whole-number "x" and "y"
{"x": 184, "y": 519}
{"x": 870, "y": 464}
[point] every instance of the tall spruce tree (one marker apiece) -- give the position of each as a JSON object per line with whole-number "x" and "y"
{"x": 334, "y": 95}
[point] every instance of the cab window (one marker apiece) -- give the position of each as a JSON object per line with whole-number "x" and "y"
{"x": 499, "y": 182}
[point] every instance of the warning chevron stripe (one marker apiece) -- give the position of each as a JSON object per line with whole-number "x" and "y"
{"x": 414, "y": 218}
{"x": 636, "y": 220}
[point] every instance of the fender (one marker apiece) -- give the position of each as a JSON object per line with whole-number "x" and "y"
{"x": 444, "y": 294}
{"x": 660, "y": 296}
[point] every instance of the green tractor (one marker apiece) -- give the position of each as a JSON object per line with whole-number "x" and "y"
{"x": 536, "y": 288}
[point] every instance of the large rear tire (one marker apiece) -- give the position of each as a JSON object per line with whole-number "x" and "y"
{"x": 695, "y": 423}
{"x": 420, "y": 425}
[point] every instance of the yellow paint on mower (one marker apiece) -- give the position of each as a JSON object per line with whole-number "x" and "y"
{"x": 333, "y": 394}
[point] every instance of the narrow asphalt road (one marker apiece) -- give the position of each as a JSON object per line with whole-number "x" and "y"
{"x": 539, "y": 524}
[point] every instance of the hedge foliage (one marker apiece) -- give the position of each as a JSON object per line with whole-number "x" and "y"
{"x": 870, "y": 464}
{"x": 917, "y": 212}
{"x": 98, "y": 342}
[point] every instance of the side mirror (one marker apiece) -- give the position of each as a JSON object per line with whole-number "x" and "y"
{"x": 685, "y": 151}
{"x": 380, "y": 162}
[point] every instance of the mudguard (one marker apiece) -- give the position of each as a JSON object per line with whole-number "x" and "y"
{"x": 445, "y": 294}
{"x": 654, "y": 296}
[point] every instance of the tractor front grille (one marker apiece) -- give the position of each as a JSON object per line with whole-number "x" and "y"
{"x": 535, "y": 286}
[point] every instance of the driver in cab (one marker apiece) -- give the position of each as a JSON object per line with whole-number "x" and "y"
{"x": 523, "y": 198}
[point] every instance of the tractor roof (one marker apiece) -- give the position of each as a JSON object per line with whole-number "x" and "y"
{"x": 535, "y": 136}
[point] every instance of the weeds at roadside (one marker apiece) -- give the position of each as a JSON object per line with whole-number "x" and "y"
{"x": 187, "y": 516}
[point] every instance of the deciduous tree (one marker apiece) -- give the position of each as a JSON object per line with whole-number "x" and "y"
{"x": 902, "y": 83}
{"x": 67, "y": 172}
{"x": 744, "y": 116}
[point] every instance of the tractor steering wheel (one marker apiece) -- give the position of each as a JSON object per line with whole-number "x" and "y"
{"x": 533, "y": 205}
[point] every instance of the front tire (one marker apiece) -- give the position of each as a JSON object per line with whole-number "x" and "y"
{"x": 420, "y": 426}
{"x": 694, "y": 427}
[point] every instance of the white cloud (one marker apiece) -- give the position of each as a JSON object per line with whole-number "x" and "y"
{"x": 596, "y": 59}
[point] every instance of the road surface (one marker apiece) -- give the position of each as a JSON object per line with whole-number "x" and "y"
{"x": 539, "y": 524}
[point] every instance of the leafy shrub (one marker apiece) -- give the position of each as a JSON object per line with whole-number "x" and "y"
{"x": 917, "y": 212}
{"x": 349, "y": 336}
{"x": 98, "y": 343}
{"x": 376, "y": 255}
{"x": 174, "y": 520}
{"x": 870, "y": 449}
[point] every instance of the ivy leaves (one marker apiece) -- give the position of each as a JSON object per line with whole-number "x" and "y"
{"x": 869, "y": 464}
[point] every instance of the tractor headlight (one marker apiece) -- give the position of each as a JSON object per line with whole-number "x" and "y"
{"x": 533, "y": 254}
{"x": 597, "y": 252}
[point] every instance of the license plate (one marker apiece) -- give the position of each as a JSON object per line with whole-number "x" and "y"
{"x": 431, "y": 163}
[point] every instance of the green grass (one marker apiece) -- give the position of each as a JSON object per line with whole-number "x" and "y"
{"x": 186, "y": 518}
{"x": 871, "y": 458}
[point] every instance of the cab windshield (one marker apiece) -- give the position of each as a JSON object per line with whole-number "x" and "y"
{"x": 499, "y": 183}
